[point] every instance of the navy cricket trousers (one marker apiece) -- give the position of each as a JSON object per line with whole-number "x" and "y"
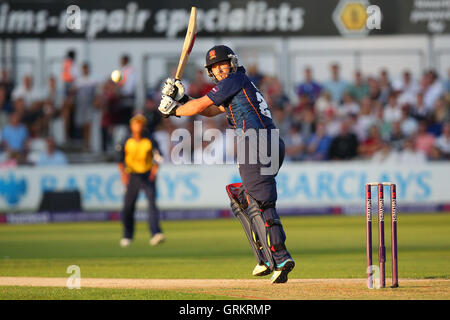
{"x": 263, "y": 188}
{"x": 135, "y": 184}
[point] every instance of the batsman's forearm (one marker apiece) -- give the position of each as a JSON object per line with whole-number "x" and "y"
{"x": 194, "y": 106}
{"x": 190, "y": 108}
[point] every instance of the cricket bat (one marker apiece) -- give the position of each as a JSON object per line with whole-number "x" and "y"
{"x": 188, "y": 44}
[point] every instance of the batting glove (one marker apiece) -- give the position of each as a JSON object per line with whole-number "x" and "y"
{"x": 167, "y": 106}
{"x": 175, "y": 89}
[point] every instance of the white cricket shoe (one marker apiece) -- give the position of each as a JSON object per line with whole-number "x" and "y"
{"x": 261, "y": 270}
{"x": 125, "y": 242}
{"x": 280, "y": 275}
{"x": 157, "y": 239}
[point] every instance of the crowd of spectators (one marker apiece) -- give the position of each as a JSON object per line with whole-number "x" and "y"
{"x": 372, "y": 117}
{"x": 75, "y": 112}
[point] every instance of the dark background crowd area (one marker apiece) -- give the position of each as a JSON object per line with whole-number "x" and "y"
{"x": 382, "y": 118}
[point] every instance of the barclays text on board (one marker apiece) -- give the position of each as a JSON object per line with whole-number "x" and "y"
{"x": 190, "y": 186}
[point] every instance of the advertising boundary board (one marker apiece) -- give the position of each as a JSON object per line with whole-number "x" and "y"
{"x": 191, "y": 187}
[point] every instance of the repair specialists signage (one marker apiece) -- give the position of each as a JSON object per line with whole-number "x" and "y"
{"x": 192, "y": 186}
{"x": 261, "y": 18}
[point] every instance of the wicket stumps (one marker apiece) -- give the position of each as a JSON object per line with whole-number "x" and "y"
{"x": 381, "y": 245}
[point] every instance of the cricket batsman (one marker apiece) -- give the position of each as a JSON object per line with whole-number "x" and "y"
{"x": 252, "y": 201}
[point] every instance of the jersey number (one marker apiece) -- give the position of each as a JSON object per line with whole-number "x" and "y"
{"x": 263, "y": 107}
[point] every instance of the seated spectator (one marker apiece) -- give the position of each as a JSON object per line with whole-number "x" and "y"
{"x": 32, "y": 104}
{"x": 5, "y": 107}
{"x": 359, "y": 89}
{"x": 8, "y": 86}
{"x": 307, "y": 122}
{"x": 276, "y": 93}
{"x": 324, "y": 104}
{"x": 335, "y": 85}
{"x": 374, "y": 89}
{"x": 408, "y": 90}
{"x": 418, "y": 110}
{"x": 392, "y": 111}
{"x": 384, "y": 127}
{"x": 345, "y": 145}
{"x": 349, "y": 106}
{"x": 36, "y": 145}
{"x": 424, "y": 140}
{"x": 386, "y": 154}
{"x": 281, "y": 120}
{"x": 408, "y": 123}
{"x": 318, "y": 144}
{"x": 433, "y": 91}
{"x": 14, "y": 135}
{"x": 309, "y": 87}
{"x": 410, "y": 155}
{"x": 9, "y": 160}
{"x": 365, "y": 119}
{"x": 442, "y": 143}
{"x": 372, "y": 144}
{"x": 27, "y": 92}
{"x": 303, "y": 104}
{"x": 397, "y": 138}
{"x": 51, "y": 157}
{"x": 332, "y": 123}
{"x": 440, "y": 115}
{"x": 294, "y": 144}
{"x": 385, "y": 87}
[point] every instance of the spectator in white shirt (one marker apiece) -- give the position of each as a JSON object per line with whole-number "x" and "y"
{"x": 28, "y": 102}
{"x": 442, "y": 143}
{"x": 27, "y": 92}
{"x": 392, "y": 110}
{"x": 433, "y": 91}
{"x": 386, "y": 155}
{"x": 365, "y": 119}
{"x": 410, "y": 155}
{"x": 409, "y": 125}
{"x": 409, "y": 90}
{"x": 349, "y": 106}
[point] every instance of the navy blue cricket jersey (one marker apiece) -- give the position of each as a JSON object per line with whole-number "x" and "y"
{"x": 244, "y": 105}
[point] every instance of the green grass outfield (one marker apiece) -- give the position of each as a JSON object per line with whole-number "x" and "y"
{"x": 328, "y": 247}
